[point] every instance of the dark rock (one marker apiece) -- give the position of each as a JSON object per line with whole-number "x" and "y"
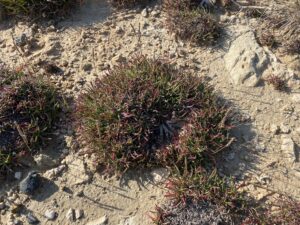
{"x": 21, "y": 41}
{"x": 32, "y": 219}
{"x": 30, "y": 183}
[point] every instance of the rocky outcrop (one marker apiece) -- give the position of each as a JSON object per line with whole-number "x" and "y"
{"x": 246, "y": 60}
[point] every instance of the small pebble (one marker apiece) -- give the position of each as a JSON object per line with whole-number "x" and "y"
{"x": 32, "y": 219}
{"x": 50, "y": 214}
{"x": 78, "y": 214}
{"x": 70, "y": 215}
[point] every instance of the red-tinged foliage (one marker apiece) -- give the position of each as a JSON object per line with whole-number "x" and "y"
{"x": 146, "y": 113}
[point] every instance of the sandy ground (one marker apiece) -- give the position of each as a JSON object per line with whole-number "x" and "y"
{"x": 97, "y": 39}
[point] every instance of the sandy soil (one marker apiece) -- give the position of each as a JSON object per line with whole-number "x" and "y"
{"x": 97, "y": 39}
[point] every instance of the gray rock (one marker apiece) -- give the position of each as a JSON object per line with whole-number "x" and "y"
{"x": 2, "y": 205}
{"x": 155, "y": 13}
{"x": 284, "y": 129}
{"x": 70, "y": 215}
{"x": 87, "y": 67}
{"x": 101, "y": 221}
{"x": 32, "y": 219}
{"x": 246, "y": 60}
{"x": 44, "y": 162}
{"x": 21, "y": 40}
{"x": 78, "y": 214}
{"x": 30, "y": 183}
{"x": 288, "y": 148}
{"x": 145, "y": 12}
{"x": 18, "y": 175}
{"x": 50, "y": 214}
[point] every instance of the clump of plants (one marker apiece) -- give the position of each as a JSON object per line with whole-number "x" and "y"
{"x": 127, "y": 3}
{"x": 148, "y": 113}
{"x": 191, "y": 22}
{"x": 38, "y": 8}
{"x": 283, "y": 19}
{"x": 29, "y": 108}
{"x": 203, "y": 198}
{"x": 267, "y": 38}
{"x": 277, "y": 82}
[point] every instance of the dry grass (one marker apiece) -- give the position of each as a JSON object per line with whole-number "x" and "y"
{"x": 282, "y": 19}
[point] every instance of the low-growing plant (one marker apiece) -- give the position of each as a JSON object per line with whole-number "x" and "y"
{"x": 191, "y": 23}
{"x": 39, "y": 8}
{"x": 29, "y": 108}
{"x": 277, "y": 82}
{"x": 267, "y": 38}
{"x": 203, "y": 193}
{"x": 147, "y": 113}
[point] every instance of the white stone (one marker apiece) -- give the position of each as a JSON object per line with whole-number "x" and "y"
{"x": 53, "y": 173}
{"x": 18, "y": 175}
{"x": 70, "y": 215}
{"x": 246, "y": 60}
{"x": 288, "y": 148}
{"x": 145, "y": 12}
{"x": 101, "y": 221}
{"x": 160, "y": 175}
{"x": 44, "y": 161}
{"x": 50, "y": 214}
{"x": 78, "y": 214}
{"x": 284, "y": 129}
{"x": 296, "y": 98}
{"x": 274, "y": 128}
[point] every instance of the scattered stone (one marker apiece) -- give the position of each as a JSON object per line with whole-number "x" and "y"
{"x": 53, "y": 173}
{"x": 78, "y": 214}
{"x": 30, "y": 183}
{"x": 145, "y": 12}
{"x": 21, "y": 40}
{"x": 284, "y": 129}
{"x": 160, "y": 175}
{"x": 101, "y": 221}
{"x": 2, "y": 205}
{"x": 44, "y": 161}
{"x": 296, "y": 98}
{"x": 246, "y": 60}
{"x": 87, "y": 67}
{"x": 32, "y": 219}
{"x": 264, "y": 179}
{"x": 70, "y": 215}
{"x": 288, "y": 147}
{"x": 79, "y": 193}
{"x": 155, "y": 13}
{"x": 50, "y": 214}
{"x": 18, "y": 175}
{"x": 119, "y": 30}
{"x": 274, "y": 129}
